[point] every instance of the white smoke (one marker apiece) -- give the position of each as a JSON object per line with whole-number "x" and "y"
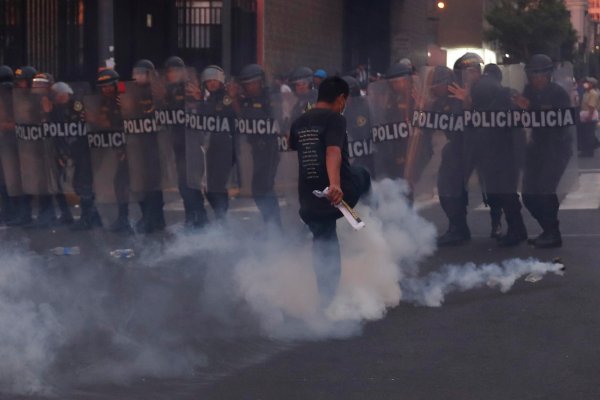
{"x": 127, "y": 321}
{"x": 432, "y": 289}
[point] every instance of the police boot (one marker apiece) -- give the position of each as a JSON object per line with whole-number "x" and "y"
{"x": 22, "y": 211}
{"x": 46, "y": 217}
{"x": 90, "y": 218}
{"x": 121, "y": 224}
{"x": 516, "y": 233}
{"x": 458, "y": 231}
{"x": 66, "y": 218}
{"x": 550, "y": 237}
{"x": 496, "y": 216}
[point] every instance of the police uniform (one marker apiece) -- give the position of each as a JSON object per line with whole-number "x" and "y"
{"x": 193, "y": 200}
{"x": 498, "y": 162}
{"x": 220, "y": 155}
{"x": 547, "y": 156}
{"x": 77, "y": 149}
{"x": 265, "y": 158}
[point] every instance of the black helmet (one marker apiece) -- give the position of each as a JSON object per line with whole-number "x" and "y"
{"x": 301, "y": 74}
{"x": 144, "y": 65}
{"x": 7, "y": 77}
{"x": 353, "y": 85}
{"x": 468, "y": 60}
{"x": 27, "y": 73}
{"x": 539, "y": 64}
{"x": 493, "y": 71}
{"x": 442, "y": 75}
{"x": 107, "y": 77}
{"x": 174, "y": 62}
{"x": 251, "y": 73}
{"x": 398, "y": 71}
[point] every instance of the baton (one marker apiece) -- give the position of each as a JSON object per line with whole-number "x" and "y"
{"x": 347, "y": 211}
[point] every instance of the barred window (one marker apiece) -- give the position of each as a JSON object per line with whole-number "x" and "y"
{"x": 197, "y": 23}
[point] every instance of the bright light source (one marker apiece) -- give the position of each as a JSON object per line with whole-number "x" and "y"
{"x": 441, "y": 5}
{"x": 507, "y": 55}
{"x": 429, "y": 53}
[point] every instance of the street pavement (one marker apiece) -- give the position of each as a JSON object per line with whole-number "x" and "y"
{"x": 538, "y": 341}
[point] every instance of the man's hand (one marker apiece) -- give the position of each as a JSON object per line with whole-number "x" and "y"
{"x": 335, "y": 194}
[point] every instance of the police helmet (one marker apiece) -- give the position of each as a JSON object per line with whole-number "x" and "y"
{"x": 174, "y": 62}
{"x": 251, "y": 72}
{"x": 493, "y": 71}
{"x": 107, "y": 77}
{"x": 468, "y": 60}
{"x": 442, "y": 75}
{"x": 301, "y": 74}
{"x": 213, "y": 72}
{"x": 539, "y": 64}
{"x": 398, "y": 71}
{"x": 61, "y": 88}
{"x": 26, "y": 73}
{"x": 144, "y": 64}
{"x": 353, "y": 85}
{"x": 7, "y": 77}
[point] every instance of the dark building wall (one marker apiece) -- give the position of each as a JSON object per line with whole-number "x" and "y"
{"x": 412, "y": 30}
{"x": 306, "y": 32}
{"x": 461, "y": 24}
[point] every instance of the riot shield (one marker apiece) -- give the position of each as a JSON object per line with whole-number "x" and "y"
{"x": 37, "y": 154}
{"x": 65, "y": 128}
{"x": 143, "y": 150}
{"x": 551, "y": 157}
{"x": 106, "y": 142}
{"x": 401, "y": 149}
{"x": 265, "y": 169}
{"x": 9, "y": 152}
{"x": 360, "y": 141}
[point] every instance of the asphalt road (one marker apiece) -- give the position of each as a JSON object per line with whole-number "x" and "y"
{"x": 538, "y": 341}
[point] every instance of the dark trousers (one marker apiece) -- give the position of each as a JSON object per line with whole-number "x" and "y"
{"x": 326, "y": 257}
{"x": 544, "y": 208}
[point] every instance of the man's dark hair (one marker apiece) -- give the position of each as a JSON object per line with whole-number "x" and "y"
{"x": 331, "y": 88}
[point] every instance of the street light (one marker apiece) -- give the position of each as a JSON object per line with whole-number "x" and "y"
{"x": 441, "y": 5}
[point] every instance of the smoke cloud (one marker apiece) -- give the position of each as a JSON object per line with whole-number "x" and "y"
{"x": 162, "y": 314}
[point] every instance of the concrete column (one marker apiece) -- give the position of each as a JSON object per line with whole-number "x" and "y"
{"x": 106, "y": 28}
{"x": 227, "y": 37}
{"x": 578, "y": 9}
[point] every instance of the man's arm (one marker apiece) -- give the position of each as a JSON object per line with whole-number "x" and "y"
{"x": 333, "y": 160}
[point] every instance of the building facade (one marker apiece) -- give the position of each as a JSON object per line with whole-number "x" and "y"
{"x": 72, "y": 38}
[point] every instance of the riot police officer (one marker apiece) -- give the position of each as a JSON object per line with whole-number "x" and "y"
{"x": 10, "y": 204}
{"x": 67, "y": 109}
{"x": 220, "y": 155}
{"x": 109, "y": 117}
{"x": 548, "y": 152}
{"x": 301, "y": 81}
{"x": 497, "y": 160}
{"x": 151, "y": 203}
{"x": 359, "y": 127}
{"x": 24, "y": 77}
{"x": 255, "y": 104}
{"x": 193, "y": 200}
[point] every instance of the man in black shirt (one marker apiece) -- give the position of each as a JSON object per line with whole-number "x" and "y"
{"x": 320, "y": 138}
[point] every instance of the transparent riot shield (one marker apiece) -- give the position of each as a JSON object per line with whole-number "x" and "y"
{"x": 65, "y": 128}
{"x": 259, "y": 145}
{"x": 360, "y": 141}
{"x": 210, "y": 145}
{"x": 9, "y": 151}
{"x": 513, "y": 76}
{"x": 551, "y": 155}
{"x": 143, "y": 148}
{"x": 106, "y": 142}
{"x": 299, "y": 103}
{"x": 37, "y": 155}
{"x": 401, "y": 149}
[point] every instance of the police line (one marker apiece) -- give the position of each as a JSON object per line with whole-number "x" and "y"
{"x": 50, "y": 130}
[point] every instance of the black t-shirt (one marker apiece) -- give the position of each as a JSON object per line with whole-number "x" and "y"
{"x": 310, "y": 135}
